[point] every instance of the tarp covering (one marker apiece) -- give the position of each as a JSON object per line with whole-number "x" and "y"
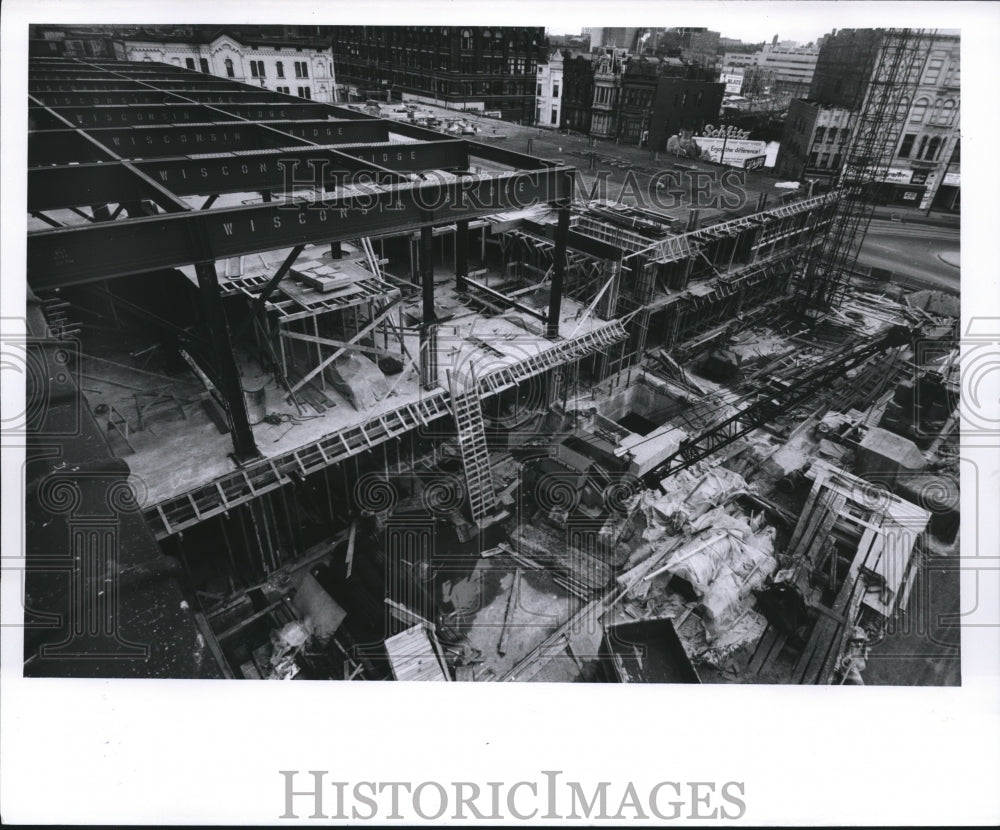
{"x": 358, "y": 379}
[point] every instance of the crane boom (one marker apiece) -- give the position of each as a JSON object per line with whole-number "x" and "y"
{"x": 775, "y": 400}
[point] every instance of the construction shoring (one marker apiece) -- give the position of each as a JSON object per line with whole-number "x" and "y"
{"x": 882, "y": 110}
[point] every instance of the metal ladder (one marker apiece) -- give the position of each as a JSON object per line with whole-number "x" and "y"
{"x": 472, "y": 444}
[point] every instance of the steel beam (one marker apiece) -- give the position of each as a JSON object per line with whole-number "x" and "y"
{"x": 108, "y": 111}
{"x": 67, "y": 256}
{"x": 265, "y": 295}
{"x": 50, "y": 188}
{"x": 49, "y": 146}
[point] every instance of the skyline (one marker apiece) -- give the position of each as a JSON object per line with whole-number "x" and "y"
{"x": 801, "y": 34}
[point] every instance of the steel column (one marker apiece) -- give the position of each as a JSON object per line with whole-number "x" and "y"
{"x": 461, "y": 253}
{"x": 428, "y": 344}
{"x": 558, "y": 272}
{"x": 228, "y": 373}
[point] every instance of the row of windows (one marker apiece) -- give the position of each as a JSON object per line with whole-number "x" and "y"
{"x": 928, "y": 148}
{"x": 443, "y": 62}
{"x": 943, "y": 113}
{"x": 824, "y": 160}
{"x": 301, "y": 91}
{"x": 830, "y": 135}
{"x": 257, "y": 69}
{"x": 555, "y": 90}
{"x": 410, "y": 34}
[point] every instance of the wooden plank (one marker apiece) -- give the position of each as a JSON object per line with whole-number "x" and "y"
{"x": 349, "y": 559}
{"x": 512, "y": 598}
{"x": 404, "y": 614}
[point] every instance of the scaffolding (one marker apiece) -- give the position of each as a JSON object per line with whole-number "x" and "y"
{"x": 882, "y": 104}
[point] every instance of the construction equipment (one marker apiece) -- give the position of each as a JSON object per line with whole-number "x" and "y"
{"x": 777, "y": 397}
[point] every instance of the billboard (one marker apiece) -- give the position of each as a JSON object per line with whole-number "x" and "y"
{"x": 733, "y": 82}
{"x": 738, "y": 151}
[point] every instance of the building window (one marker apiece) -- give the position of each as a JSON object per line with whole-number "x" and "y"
{"x": 555, "y": 115}
{"x": 301, "y": 69}
{"x": 257, "y": 69}
{"x": 907, "y": 146}
{"x": 466, "y": 39}
{"x": 555, "y": 90}
{"x": 538, "y": 92}
{"x": 819, "y": 134}
{"x": 923, "y": 147}
{"x": 189, "y": 63}
{"x": 229, "y": 69}
{"x": 279, "y": 68}
{"x": 933, "y": 71}
{"x": 946, "y": 115}
{"x": 918, "y": 111}
{"x": 831, "y": 136}
{"x": 283, "y": 89}
{"x": 933, "y": 148}
{"x": 204, "y": 65}
{"x": 824, "y": 160}
{"x": 304, "y": 92}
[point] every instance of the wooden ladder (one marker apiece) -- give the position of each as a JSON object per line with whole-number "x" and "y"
{"x": 472, "y": 445}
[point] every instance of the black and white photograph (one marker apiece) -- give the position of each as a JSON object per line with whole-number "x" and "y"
{"x": 632, "y": 363}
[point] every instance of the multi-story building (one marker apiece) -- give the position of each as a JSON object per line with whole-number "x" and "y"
{"x": 683, "y": 103}
{"x": 280, "y": 59}
{"x": 294, "y": 67}
{"x": 578, "y": 93}
{"x": 660, "y": 98}
{"x": 732, "y": 61}
{"x": 608, "y": 66}
{"x": 466, "y": 67}
{"x": 548, "y": 91}
{"x": 925, "y": 157}
{"x": 815, "y": 141}
{"x": 620, "y": 38}
{"x": 635, "y": 109}
{"x": 793, "y": 66}
{"x": 699, "y": 45}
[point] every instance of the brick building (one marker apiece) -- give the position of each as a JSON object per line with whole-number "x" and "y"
{"x": 465, "y": 67}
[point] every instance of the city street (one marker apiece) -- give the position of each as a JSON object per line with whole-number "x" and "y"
{"x": 913, "y": 249}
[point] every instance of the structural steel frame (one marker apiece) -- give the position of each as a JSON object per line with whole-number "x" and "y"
{"x": 132, "y": 143}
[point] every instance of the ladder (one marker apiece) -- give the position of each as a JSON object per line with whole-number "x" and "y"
{"x": 472, "y": 445}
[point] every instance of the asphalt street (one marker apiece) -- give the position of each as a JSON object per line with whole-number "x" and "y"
{"x": 912, "y": 249}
